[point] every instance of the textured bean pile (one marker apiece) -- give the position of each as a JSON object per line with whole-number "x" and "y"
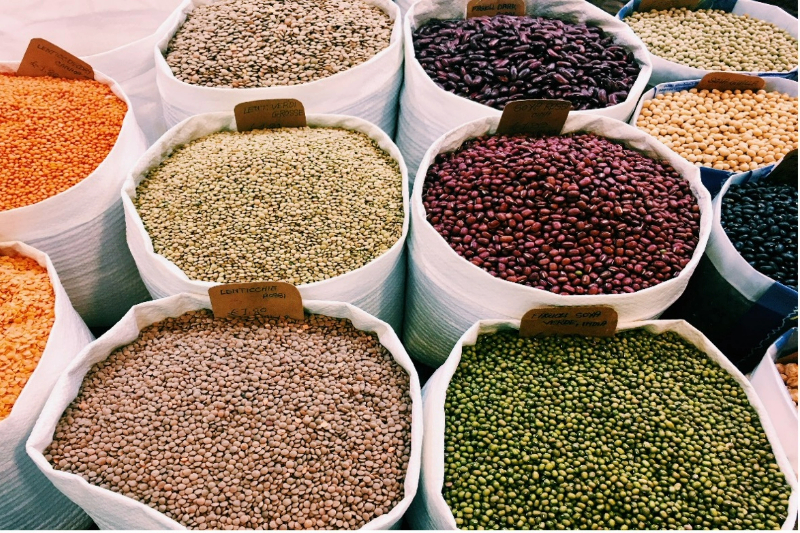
{"x": 637, "y": 431}
{"x": 266, "y": 43}
{"x": 245, "y": 423}
{"x": 53, "y": 134}
{"x": 294, "y": 204}
{"x": 571, "y": 214}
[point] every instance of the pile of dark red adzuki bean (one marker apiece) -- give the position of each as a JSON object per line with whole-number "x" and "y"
{"x": 494, "y": 60}
{"x": 569, "y": 214}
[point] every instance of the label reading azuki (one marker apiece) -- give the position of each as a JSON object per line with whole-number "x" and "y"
{"x": 662, "y": 5}
{"x": 490, "y": 8}
{"x": 785, "y": 171}
{"x": 263, "y": 298}
{"x": 43, "y": 58}
{"x": 589, "y": 321}
{"x": 539, "y": 117}
{"x": 267, "y": 114}
{"x": 729, "y": 81}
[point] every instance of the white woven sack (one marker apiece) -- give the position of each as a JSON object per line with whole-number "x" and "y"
{"x": 116, "y": 38}
{"x": 368, "y": 90}
{"x": 27, "y": 499}
{"x": 666, "y": 71}
{"x": 446, "y": 293}
{"x": 111, "y": 510}
{"x": 427, "y": 111}
{"x": 378, "y": 287}
{"x": 404, "y": 5}
{"x": 83, "y": 229}
{"x": 430, "y": 510}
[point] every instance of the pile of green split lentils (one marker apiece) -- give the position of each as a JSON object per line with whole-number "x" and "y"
{"x": 266, "y": 43}
{"x": 245, "y": 423}
{"x": 634, "y": 431}
{"x": 292, "y": 204}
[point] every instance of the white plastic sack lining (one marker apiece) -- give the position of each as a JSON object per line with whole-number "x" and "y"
{"x": 427, "y": 111}
{"x": 27, "y": 499}
{"x": 404, "y": 5}
{"x": 446, "y": 293}
{"x": 368, "y": 90}
{"x": 83, "y": 230}
{"x": 773, "y": 393}
{"x": 378, "y": 287}
{"x": 713, "y": 178}
{"x": 116, "y": 38}
{"x": 111, "y": 510}
{"x": 430, "y": 511}
{"x": 665, "y": 71}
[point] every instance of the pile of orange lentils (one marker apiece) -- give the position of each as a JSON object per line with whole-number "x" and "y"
{"x": 53, "y": 133}
{"x": 27, "y": 313}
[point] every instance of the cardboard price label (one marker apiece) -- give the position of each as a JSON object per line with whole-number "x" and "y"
{"x": 589, "y": 321}
{"x": 264, "y": 298}
{"x": 43, "y": 58}
{"x": 786, "y": 170}
{"x": 728, "y": 81}
{"x": 490, "y": 8}
{"x": 662, "y": 5}
{"x": 266, "y": 114}
{"x": 543, "y": 117}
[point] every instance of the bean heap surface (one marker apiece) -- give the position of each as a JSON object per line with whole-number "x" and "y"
{"x": 495, "y": 60}
{"x": 293, "y": 204}
{"x": 636, "y": 431}
{"x": 27, "y": 313}
{"x": 727, "y": 130}
{"x": 760, "y": 219}
{"x": 712, "y": 39}
{"x": 53, "y": 133}
{"x": 245, "y": 423}
{"x": 267, "y": 43}
{"x": 788, "y": 372}
{"x": 570, "y": 214}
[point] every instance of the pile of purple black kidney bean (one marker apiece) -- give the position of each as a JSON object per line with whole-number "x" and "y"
{"x": 494, "y": 60}
{"x": 569, "y": 214}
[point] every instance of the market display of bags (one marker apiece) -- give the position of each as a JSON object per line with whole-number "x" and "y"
{"x": 116, "y": 39}
{"x": 27, "y": 499}
{"x": 430, "y": 510}
{"x": 377, "y": 287}
{"x": 446, "y": 293}
{"x": 111, "y": 510}
{"x": 427, "y": 111}
{"x": 83, "y": 230}
{"x": 368, "y": 90}
{"x": 666, "y": 71}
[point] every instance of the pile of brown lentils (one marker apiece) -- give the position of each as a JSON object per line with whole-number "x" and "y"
{"x": 245, "y": 423}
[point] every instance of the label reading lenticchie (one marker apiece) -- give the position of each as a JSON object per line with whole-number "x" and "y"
{"x": 490, "y": 8}
{"x": 662, "y": 5}
{"x": 541, "y": 117}
{"x": 589, "y": 321}
{"x": 267, "y": 114}
{"x": 43, "y": 58}
{"x": 728, "y": 81}
{"x": 263, "y": 298}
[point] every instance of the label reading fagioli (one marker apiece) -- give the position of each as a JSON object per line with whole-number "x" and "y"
{"x": 537, "y": 117}
{"x": 588, "y": 321}
{"x": 730, "y": 81}
{"x": 490, "y": 8}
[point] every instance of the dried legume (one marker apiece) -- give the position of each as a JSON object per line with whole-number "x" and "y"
{"x": 53, "y": 134}
{"x": 27, "y": 313}
{"x": 266, "y": 43}
{"x": 760, "y": 219}
{"x": 494, "y": 60}
{"x": 245, "y": 423}
{"x": 570, "y": 214}
{"x": 637, "y": 431}
{"x": 712, "y": 39}
{"x": 726, "y": 130}
{"x": 295, "y": 204}
{"x": 788, "y": 372}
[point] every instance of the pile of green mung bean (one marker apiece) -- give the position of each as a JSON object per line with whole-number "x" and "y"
{"x": 635, "y": 431}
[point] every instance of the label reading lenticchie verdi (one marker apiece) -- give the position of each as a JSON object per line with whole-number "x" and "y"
{"x": 588, "y": 321}
{"x": 490, "y": 8}
{"x": 263, "y": 298}
{"x": 267, "y": 114}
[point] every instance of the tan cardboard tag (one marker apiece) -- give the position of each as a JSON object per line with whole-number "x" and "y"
{"x": 262, "y": 298}
{"x": 490, "y": 8}
{"x": 728, "y": 81}
{"x": 588, "y": 320}
{"x": 265, "y": 114}
{"x": 544, "y": 117}
{"x": 43, "y": 58}
{"x": 661, "y": 5}
{"x": 786, "y": 170}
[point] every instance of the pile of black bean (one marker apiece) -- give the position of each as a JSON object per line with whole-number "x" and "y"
{"x": 495, "y": 60}
{"x": 760, "y": 218}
